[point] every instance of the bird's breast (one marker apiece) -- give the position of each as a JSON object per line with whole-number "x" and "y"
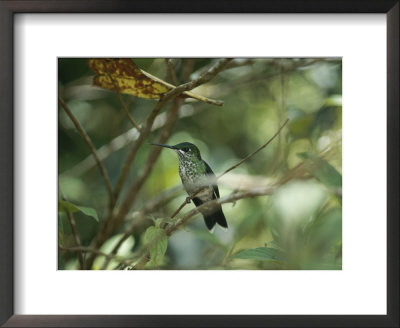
{"x": 192, "y": 180}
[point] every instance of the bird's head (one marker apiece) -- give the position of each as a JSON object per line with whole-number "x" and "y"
{"x": 186, "y": 151}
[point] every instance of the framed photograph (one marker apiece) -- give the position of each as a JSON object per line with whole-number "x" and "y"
{"x": 199, "y": 164}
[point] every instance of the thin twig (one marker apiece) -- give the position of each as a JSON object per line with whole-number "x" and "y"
{"x": 264, "y": 77}
{"x": 205, "y": 77}
{"x": 75, "y": 234}
{"x": 72, "y": 223}
{"x": 92, "y": 148}
{"x": 124, "y": 237}
{"x": 256, "y": 151}
{"x": 240, "y": 63}
{"x": 231, "y": 198}
{"x": 186, "y": 94}
{"x": 231, "y": 168}
{"x": 130, "y": 117}
{"x": 83, "y": 249}
{"x": 116, "y": 87}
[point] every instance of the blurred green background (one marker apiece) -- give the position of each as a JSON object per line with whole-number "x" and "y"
{"x": 299, "y": 226}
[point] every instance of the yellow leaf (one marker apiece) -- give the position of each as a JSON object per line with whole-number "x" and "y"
{"x": 123, "y": 76}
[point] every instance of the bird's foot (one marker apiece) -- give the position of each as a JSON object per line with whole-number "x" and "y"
{"x": 188, "y": 200}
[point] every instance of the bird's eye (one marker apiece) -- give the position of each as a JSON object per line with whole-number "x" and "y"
{"x": 185, "y": 149}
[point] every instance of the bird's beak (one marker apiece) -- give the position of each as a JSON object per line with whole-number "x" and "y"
{"x": 166, "y": 146}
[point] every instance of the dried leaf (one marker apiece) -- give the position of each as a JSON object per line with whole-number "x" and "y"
{"x": 122, "y": 75}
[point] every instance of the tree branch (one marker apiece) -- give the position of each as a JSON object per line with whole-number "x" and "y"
{"x": 205, "y": 77}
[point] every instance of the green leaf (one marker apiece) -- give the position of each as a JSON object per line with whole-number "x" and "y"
{"x": 322, "y": 170}
{"x": 157, "y": 241}
{"x": 261, "y": 254}
{"x": 64, "y": 206}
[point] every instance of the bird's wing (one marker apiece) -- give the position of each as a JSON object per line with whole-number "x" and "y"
{"x": 211, "y": 174}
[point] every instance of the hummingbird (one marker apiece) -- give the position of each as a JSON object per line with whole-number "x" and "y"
{"x": 194, "y": 172}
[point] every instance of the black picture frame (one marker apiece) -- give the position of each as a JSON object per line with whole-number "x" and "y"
{"x": 7, "y": 11}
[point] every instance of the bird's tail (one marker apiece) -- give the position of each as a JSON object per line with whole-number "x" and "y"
{"x": 215, "y": 217}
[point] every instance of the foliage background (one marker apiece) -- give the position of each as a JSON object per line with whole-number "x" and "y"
{"x": 299, "y": 226}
